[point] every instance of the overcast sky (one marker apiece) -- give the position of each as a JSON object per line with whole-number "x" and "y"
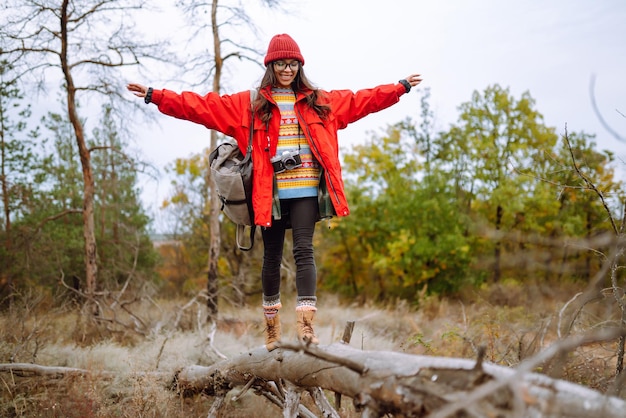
{"x": 551, "y": 49}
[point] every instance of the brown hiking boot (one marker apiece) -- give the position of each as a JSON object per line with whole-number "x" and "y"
{"x": 272, "y": 332}
{"x": 305, "y": 327}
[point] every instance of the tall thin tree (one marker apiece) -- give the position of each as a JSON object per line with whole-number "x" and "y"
{"x": 224, "y": 49}
{"x": 89, "y": 41}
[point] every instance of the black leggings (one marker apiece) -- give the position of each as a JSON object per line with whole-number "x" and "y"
{"x": 303, "y": 214}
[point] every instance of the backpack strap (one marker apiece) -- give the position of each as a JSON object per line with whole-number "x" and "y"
{"x": 253, "y": 94}
{"x": 248, "y": 156}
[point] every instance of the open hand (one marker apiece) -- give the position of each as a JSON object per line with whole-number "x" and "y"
{"x": 137, "y": 89}
{"x": 414, "y": 79}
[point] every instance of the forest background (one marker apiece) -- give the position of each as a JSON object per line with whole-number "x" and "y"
{"x": 497, "y": 207}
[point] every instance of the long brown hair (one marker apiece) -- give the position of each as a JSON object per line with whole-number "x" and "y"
{"x": 300, "y": 84}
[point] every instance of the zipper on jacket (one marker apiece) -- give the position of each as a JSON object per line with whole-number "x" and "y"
{"x": 306, "y": 126}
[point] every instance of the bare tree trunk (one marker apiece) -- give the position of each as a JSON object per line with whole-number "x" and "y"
{"x": 91, "y": 266}
{"x": 215, "y": 243}
{"x": 214, "y": 224}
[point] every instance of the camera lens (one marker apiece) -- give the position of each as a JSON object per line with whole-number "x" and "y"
{"x": 290, "y": 163}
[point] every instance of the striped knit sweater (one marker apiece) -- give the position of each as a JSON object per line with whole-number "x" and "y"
{"x": 302, "y": 181}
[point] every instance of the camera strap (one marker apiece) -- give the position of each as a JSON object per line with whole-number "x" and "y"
{"x": 299, "y": 136}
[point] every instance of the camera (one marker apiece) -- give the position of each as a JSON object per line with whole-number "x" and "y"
{"x": 288, "y": 160}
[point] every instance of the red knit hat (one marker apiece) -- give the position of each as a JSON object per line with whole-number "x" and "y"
{"x": 283, "y": 46}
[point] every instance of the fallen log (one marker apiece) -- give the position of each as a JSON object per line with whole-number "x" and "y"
{"x": 29, "y": 369}
{"x": 380, "y": 382}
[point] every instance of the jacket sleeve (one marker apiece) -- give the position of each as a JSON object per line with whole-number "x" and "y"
{"x": 221, "y": 113}
{"x": 348, "y": 107}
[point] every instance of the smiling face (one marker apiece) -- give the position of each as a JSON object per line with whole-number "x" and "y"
{"x": 285, "y": 71}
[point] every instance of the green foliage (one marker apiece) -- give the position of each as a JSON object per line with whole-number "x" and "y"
{"x": 48, "y": 232}
{"x": 501, "y": 155}
{"x": 121, "y": 224}
{"x": 405, "y": 230}
{"x": 17, "y": 159}
{"x": 47, "y": 235}
{"x": 446, "y": 209}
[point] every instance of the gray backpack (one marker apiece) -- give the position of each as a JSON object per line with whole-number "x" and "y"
{"x": 232, "y": 175}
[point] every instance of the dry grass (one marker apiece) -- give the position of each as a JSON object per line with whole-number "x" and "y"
{"x": 512, "y": 321}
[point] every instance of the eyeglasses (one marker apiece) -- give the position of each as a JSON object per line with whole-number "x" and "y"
{"x": 281, "y": 65}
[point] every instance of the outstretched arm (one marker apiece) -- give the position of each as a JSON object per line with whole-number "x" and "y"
{"x": 348, "y": 107}
{"x": 222, "y": 113}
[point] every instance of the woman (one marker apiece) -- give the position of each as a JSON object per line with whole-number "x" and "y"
{"x": 295, "y": 151}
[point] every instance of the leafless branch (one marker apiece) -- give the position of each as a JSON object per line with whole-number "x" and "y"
{"x": 605, "y": 125}
{"x": 588, "y": 182}
{"x": 55, "y": 217}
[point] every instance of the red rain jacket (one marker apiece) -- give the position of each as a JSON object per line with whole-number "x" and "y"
{"x": 229, "y": 114}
